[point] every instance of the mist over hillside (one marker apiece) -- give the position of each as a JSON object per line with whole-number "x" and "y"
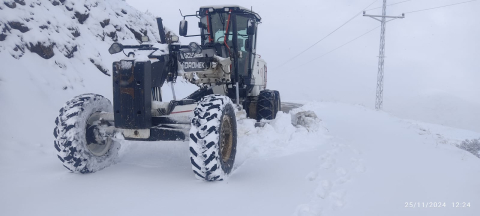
{"x": 72, "y": 38}
{"x": 433, "y": 50}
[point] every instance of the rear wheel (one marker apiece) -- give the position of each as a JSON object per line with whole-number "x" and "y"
{"x": 268, "y": 104}
{"x": 213, "y": 138}
{"x": 278, "y": 102}
{"x": 82, "y": 142}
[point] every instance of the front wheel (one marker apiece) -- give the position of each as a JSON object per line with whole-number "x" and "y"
{"x": 82, "y": 140}
{"x": 213, "y": 138}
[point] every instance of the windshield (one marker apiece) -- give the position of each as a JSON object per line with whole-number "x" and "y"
{"x": 218, "y": 24}
{"x": 242, "y": 32}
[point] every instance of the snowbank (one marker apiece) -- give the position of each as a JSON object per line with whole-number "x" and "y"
{"x": 278, "y": 137}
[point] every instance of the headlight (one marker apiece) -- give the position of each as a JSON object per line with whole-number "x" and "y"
{"x": 174, "y": 38}
{"x": 195, "y": 47}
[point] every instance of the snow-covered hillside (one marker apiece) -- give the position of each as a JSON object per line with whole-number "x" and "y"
{"x": 51, "y": 51}
{"x": 74, "y": 29}
{"x": 438, "y": 107}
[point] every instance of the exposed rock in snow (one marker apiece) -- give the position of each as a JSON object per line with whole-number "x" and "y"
{"x": 56, "y": 29}
{"x": 307, "y": 119}
{"x": 43, "y": 50}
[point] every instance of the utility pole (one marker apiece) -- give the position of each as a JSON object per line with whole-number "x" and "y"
{"x": 381, "y": 55}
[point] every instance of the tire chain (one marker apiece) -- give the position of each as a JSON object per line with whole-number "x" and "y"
{"x": 265, "y": 105}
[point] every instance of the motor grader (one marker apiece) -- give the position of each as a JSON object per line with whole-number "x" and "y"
{"x": 231, "y": 77}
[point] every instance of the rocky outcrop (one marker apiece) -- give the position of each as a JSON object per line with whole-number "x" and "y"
{"x": 19, "y": 26}
{"x": 20, "y": 2}
{"x": 10, "y": 4}
{"x": 100, "y": 68}
{"x": 63, "y": 28}
{"x": 81, "y": 17}
{"x": 43, "y": 50}
{"x": 105, "y": 23}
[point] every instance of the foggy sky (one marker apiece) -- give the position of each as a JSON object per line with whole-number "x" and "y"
{"x": 435, "y": 50}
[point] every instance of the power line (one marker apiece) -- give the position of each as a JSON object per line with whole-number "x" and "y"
{"x": 381, "y": 52}
{"x": 327, "y": 35}
{"x": 369, "y": 31}
{"x": 441, "y": 6}
{"x": 358, "y": 37}
{"x": 389, "y": 5}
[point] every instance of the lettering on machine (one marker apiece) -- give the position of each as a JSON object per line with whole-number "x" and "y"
{"x": 191, "y": 65}
{"x": 190, "y": 55}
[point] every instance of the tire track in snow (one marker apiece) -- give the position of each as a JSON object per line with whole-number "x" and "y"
{"x": 340, "y": 164}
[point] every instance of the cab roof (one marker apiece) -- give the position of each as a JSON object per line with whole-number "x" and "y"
{"x": 224, "y": 6}
{"x": 236, "y": 8}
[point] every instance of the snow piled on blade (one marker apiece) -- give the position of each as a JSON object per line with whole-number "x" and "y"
{"x": 126, "y": 65}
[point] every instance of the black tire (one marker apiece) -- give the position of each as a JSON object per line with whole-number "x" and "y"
{"x": 247, "y": 106}
{"x": 278, "y": 102}
{"x": 75, "y": 141}
{"x": 213, "y": 138}
{"x": 267, "y": 105}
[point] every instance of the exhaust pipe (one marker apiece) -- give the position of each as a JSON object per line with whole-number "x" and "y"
{"x": 161, "y": 30}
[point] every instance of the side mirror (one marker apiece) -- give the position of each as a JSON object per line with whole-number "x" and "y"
{"x": 202, "y": 26}
{"x": 183, "y": 28}
{"x": 247, "y": 44}
{"x": 115, "y": 48}
{"x": 145, "y": 39}
{"x": 251, "y": 27}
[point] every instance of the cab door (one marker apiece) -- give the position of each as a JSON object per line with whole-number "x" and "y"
{"x": 252, "y": 48}
{"x": 246, "y": 46}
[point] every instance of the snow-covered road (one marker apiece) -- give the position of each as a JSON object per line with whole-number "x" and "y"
{"x": 287, "y": 106}
{"x": 355, "y": 161}
{"x": 383, "y": 164}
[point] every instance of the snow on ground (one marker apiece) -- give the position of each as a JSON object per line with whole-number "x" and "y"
{"x": 355, "y": 161}
{"x": 381, "y": 163}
